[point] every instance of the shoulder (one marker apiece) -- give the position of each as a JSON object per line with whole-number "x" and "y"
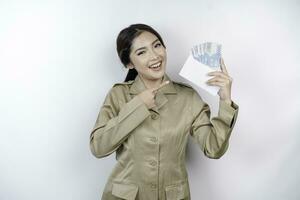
{"x": 119, "y": 90}
{"x": 117, "y": 93}
{"x": 188, "y": 91}
{"x": 181, "y": 84}
{"x": 183, "y": 87}
{"x": 121, "y": 86}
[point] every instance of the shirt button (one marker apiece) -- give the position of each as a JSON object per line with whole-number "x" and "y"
{"x": 153, "y": 162}
{"x": 153, "y": 185}
{"x": 154, "y": 116}
{"x": 153, "y": 139}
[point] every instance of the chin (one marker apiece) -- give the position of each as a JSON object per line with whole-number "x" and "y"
{"x": 159, "y": 77}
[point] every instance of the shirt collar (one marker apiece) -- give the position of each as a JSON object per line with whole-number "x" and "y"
{"x": 138, "y": 86}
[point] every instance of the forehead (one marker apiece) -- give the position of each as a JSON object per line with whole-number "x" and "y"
{"x": 144, "y": 39}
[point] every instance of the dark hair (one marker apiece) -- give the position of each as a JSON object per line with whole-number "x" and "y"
{"x": 124, "y": 42}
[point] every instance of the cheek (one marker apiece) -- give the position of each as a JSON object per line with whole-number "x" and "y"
{"x": 139, "y": 63}
{"x": 136, "y": 60}
{"x": 144, "y": 60}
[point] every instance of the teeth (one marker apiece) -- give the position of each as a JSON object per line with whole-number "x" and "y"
{"x": 155, "y": 66}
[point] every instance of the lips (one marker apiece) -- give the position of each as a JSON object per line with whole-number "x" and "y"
{"x": 156, "y": 65}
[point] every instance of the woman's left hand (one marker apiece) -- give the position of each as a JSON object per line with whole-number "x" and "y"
{"x": 223, "y": 80}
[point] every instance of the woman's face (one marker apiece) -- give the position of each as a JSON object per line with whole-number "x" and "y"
{"x": 148, "y": 56}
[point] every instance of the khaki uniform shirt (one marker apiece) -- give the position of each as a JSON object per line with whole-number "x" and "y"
{"x": 150, "y": 144}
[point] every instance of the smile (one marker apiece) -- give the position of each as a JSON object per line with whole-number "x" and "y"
{"x": 155, "y": 66}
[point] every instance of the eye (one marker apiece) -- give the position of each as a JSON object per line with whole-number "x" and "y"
{"x": 140, "y": 53}
{"x": 157, "y": 45}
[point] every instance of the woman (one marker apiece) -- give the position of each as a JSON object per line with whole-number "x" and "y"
{"x": 147, "y": 120}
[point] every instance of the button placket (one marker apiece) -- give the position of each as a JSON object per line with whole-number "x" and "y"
{"x": 153, "y": 162}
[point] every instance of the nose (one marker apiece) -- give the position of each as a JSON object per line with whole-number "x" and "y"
{"x": 153, "y": 55}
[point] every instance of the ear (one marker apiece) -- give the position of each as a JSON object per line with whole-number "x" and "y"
{"x": 130, "y": 66}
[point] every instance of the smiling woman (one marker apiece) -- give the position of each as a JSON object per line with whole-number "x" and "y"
{"x": 147, "y": 119}
{"x": 148, "y": 57}
{"x": 142, "y": 50}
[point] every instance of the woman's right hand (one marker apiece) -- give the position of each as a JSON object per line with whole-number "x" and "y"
{"x": 148, "y": 96}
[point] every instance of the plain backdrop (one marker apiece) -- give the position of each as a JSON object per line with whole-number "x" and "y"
{"x": 58, "y": 60}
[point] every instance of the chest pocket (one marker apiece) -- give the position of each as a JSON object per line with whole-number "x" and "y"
{"x": 177, "y": 192}
{"x": 125, "y": 191}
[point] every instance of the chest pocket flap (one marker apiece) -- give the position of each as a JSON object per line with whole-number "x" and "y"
{"x": 125, "y": 191}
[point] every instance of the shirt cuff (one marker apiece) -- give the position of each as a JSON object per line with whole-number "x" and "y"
{"x": 227, "y": 111}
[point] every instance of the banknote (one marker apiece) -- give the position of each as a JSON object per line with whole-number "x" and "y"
{"x": 203, "y": 58}
{"x": 208, "y": 53}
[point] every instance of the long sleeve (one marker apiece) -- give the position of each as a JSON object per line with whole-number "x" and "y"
{"x": 212, "y": 135}
{"x": 115, "y": 124}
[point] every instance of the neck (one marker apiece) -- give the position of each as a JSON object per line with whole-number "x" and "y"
{"x": 152, "y": 83}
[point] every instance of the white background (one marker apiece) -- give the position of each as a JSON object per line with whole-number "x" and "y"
{"x": 58, "y": 61}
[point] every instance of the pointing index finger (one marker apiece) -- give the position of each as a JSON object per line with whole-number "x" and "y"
{"x": 161, "y": 85}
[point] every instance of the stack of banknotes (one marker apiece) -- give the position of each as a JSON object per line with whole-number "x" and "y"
{"x": 208, "y": 53}
{"x": 203, "y": 58}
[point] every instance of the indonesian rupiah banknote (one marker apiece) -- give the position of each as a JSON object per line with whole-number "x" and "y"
{"x": 208, "y": 53}
{"x": 203, "y": 58}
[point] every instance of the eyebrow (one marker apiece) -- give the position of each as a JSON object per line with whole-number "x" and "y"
{"x": 145, "y": 47}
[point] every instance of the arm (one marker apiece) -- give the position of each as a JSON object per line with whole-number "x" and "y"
{"x": 212, "y": 135}
{"x": 114, "y": 124}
